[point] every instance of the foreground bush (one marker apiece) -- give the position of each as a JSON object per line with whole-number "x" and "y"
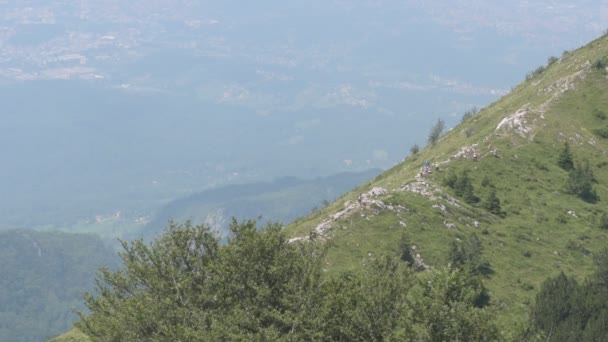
{"x": 187, "y": 286}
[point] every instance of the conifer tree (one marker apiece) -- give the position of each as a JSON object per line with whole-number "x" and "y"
{"x": 436, "y": 131}
{"x": 565, "y": 158}
{"x": 580, "y": 183}
{"x": 463, "y": 187}
{"x": 405, "y": 250}
{"x": 492, "y": 203}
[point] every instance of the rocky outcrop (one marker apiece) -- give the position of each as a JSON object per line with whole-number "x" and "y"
{"x": 468, "y": 152}
{"x": 517, "y": 122}
{"x": 367, "y": 200}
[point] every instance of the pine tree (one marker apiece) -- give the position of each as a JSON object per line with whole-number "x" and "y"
{"x": 580, "y": 183}
{"x": 469, "y": 194}
{"x": 463, "y": 186}
{"x": 405, "y": 250}
{"x": 492, "y": 203}
{"x": 436, "y": 131}
{"x": 565, "y": 158}
{"x": 604, "y": 221}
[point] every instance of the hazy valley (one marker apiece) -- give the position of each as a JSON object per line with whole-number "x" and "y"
{"x": 118, "y": 117}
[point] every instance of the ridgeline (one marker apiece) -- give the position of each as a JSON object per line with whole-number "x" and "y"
{"x": 511, "y": 196}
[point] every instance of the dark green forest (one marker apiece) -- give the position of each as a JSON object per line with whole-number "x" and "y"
{"x": 43, "y": 277}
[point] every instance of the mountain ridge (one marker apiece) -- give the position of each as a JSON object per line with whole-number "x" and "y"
{"x": 280, "y": 200}
{"x": 509, "y": 148}
{"x": 498, "y": 177}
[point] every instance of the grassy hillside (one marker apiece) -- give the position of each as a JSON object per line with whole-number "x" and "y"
{"x": 512, "y": 147}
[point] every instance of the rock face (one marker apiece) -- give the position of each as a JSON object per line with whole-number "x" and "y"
{"x": 449, "y": 225}
{"x": 468, "y": 152}
{"x": 419, "y": 263}
{"x": 366, "y": 201}
{"x": 517, "y": 123}
{"x": 422, "y": 187}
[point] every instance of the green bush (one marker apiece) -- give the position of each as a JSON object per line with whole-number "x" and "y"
{"x": 492, "y": 204}
{"x": 436, "y": 132}
{"x": 258, "y": 286}
{"x": 567, "y": 311}
{"x": 536, "y": 72}
{"x": 462, "y": 185}
{"x": 414, "y": 149}
{"x": 565, "y": 158}
{"x": 604, "y": 221}
{"x": 599, "y": 114}
{"x": 552, "y": 60}
{"x": 580, "y": 183}
{"x": 602, "y": 132}
{"x": 469, "y": 114}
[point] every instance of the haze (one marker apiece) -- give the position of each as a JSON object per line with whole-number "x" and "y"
{"x": 120, "y": 107}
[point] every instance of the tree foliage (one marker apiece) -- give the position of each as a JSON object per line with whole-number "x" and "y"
{"x": 446, "y": 309}
{"x": 436, "y": 132}
{"x": 604, "y": 221}
{"x": 580, "y": 183}
{"x": 414, "y": 149}
{"x": 43, "y": 274}
{"x": 462, "y": 185}
{"x": 568, "y": 311}
{"x": 258, "y": 286}
{"x": 565, "y": 160}
{"x": 492, "y": 203}
{"x": 405, "y": 250}
{"x": 466, "y": 256}
{"x": 469, "y": 114}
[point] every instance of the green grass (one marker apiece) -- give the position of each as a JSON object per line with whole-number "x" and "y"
{"x": 72, "y": 335}
{"x": 536, "y": 238}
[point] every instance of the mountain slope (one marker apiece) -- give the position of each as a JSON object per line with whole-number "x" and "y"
{"x": 282, "y": 200}
{"x": 43, "y": 277}
{"x": 511, "y": 148}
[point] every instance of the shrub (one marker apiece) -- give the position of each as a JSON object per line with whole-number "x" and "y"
{"x": 450, "y": 179}
{"x": 565, "y": 158}
{"x": 436, "y": 131}
{"x": 405, "y": 250}
{"x": 604, "y": 221}
{"x": 552, "y": 60}
{"x": 414, "y": 149}
{"x": 492, "y": 203}
{"x": 536, "y": 72}
{"x": 580, "y": 183}
{"x": 469, "y": 113}
{"x": 485, "y": 182}
{"x": 539, "y": 165}
{"x": 602, "y": 132}
{"x": 599, "y": 64}
{"x": 469, "y": 132}
{"x": 462, "y": 185}
{"x": 599, "y": 114}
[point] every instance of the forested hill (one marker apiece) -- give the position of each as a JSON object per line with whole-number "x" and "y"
{"x": 281, "y": 200}
{"x": 485, "y": 234}
{"x": 43, "y": 277}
